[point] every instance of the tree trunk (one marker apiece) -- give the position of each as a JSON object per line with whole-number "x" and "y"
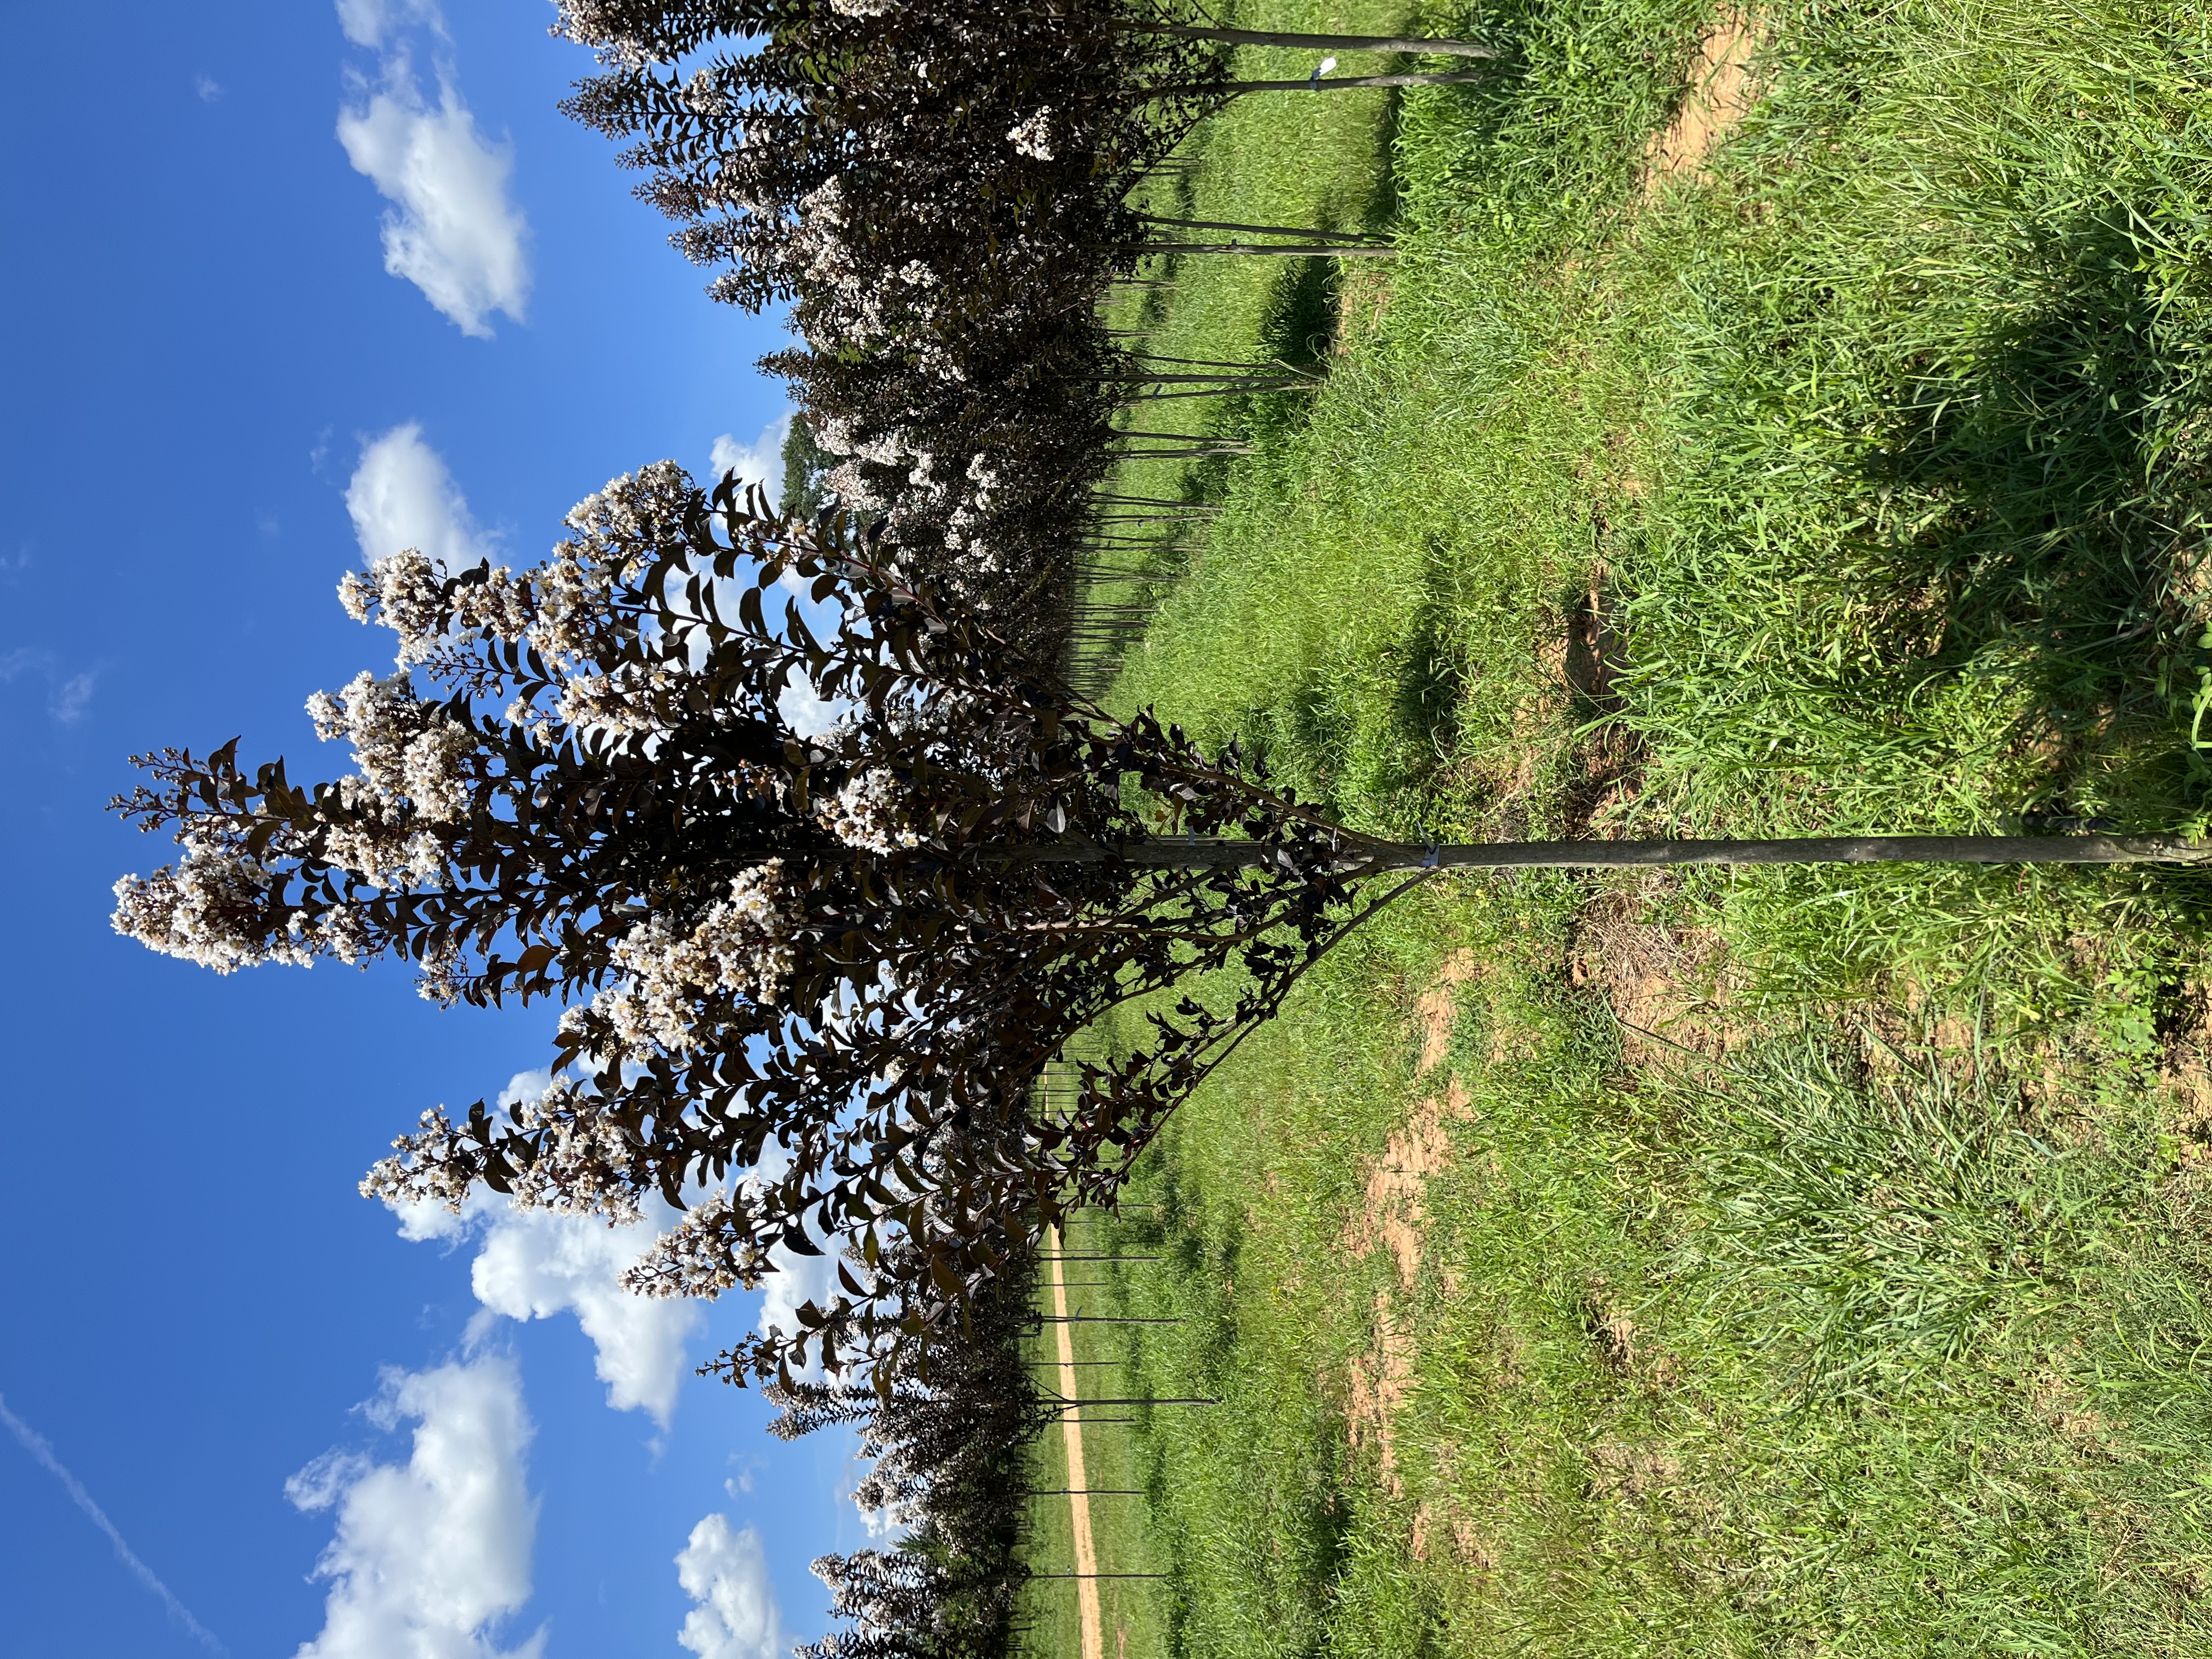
{"x": 1314, "y": 42}
{"x": 1257, "y": 230}
{"x": 1345, "y": 82}
{"x": 1169, "y": 437}
{"x": 1253, "y": 389}
{"x": 1272, "y": 365}
{"x": 1171, "y": 376}
{"x": 1375, "y": 857}
{"x": 1284, "y": 250}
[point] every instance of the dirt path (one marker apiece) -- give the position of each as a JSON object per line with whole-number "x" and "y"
{"x": 1720, "y": 94}
{"x": 1078, "y": 1501}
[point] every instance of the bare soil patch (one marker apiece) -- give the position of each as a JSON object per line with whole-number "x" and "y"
{"x": 1608, "y": 769}
{"x": 1393, "y": 1213}
{"x": 1667, "y": 984}
{"x": 1611, "y": 1329}
{"x": 1433, "y": 1009}
{"x": 1078, "y": 1502}
{"x": 1720, "y": 94}
{"x": 1620, "y": 1471}
{"x": 1379, "y": 1382}
{"x": 1362, "y": 296}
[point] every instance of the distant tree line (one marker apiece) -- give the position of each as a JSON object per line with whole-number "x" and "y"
{"x": 941, "y": 193}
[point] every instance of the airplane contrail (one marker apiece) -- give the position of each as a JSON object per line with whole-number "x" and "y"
{"x": 36, "y": 1443}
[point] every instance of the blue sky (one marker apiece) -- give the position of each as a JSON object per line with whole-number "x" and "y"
{"x": 285, "y": 280}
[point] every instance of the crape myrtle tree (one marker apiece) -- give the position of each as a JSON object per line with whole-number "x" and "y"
{"x": 939, "y": 190}
{"x": 861, "y": 944}
{"x": 921, "y": 187}
{"x": 845, "y": 954}
{"x": 949, "y": 1448}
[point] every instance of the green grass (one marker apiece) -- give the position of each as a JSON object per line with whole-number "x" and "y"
{"x": 1873, "y": 465}
{"x": 1824, "y": 1352}
{"x": 1133, "y": 1613}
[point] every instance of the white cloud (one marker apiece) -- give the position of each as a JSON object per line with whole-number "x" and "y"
{"x": 208, "y": 87}
{"x": 809, "y": 713}
{"x": 454, "y": 232}
{"x": 67, "y": 698}
{"x": 760, "y": 462}
{"x": 726, "y": 1572}
{"x": 72, "y": 698}
{"x": 793, "y": 1279}
{"x": 429, "y": 1556}
{"x": 367, "y": 22}
{"x": 797, "y": 1279}
{"x": 533, "y": 1264}
{"x": 401, "y": 496}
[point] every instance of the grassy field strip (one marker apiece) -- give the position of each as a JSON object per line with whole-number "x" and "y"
{"x": 1858, "y": 478}
{"x": 1078, "y": 1501}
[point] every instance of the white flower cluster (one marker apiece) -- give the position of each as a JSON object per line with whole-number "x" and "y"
{"x": 406, "y": 748}
{"x": 622, "y": 701}
{"x": 743, "y": 943}
{"x": 704, "y": 95}
{"x": 428, "y": 1169}
{"x": 439, "y": 979}
{"x": 635, "y": 511}
{"x": 693, "y": 1258}
{"x": 585, "y": 1164}
{"x": 214, "y": 906}
{"x": 870, "y": 812}
{"x": 1033, "y": 137}
{"x": 408, "y": 590}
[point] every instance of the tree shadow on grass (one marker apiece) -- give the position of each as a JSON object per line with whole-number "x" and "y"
{"x": 1901, "y": 546}
{"x": 2059, "y": 502}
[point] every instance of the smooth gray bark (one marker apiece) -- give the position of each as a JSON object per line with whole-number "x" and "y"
{"x": 1376, "y": 858}
{"x": 1278, "y": 250}
{"x": 1292, "y": 42}
{"x": 1345, "y": 82}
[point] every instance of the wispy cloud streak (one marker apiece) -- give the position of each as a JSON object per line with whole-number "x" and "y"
{"x": 36, "y": 1443}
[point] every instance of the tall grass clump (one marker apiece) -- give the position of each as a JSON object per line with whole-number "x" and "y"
{"x": 1930, "y": 550}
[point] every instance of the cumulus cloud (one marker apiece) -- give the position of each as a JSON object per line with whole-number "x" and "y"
{"x": 533, "y": 1264}
{"x": 430, "y": 1555}
{"x": 370, "y": 22}
{"x": 810, "y": 714}
{"x": 72, "y": 698}
{"x": 796, "y": 1280}
{"x": 453, "y": 230}
{"x": 726, "y": 1572}
{"x": 760, "y": 462}
{"x": 401, "y": 496}
{"x": 792, "y": 1280}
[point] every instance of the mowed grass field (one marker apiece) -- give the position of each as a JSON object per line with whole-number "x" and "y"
{"x": 1761, "y": 1263}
